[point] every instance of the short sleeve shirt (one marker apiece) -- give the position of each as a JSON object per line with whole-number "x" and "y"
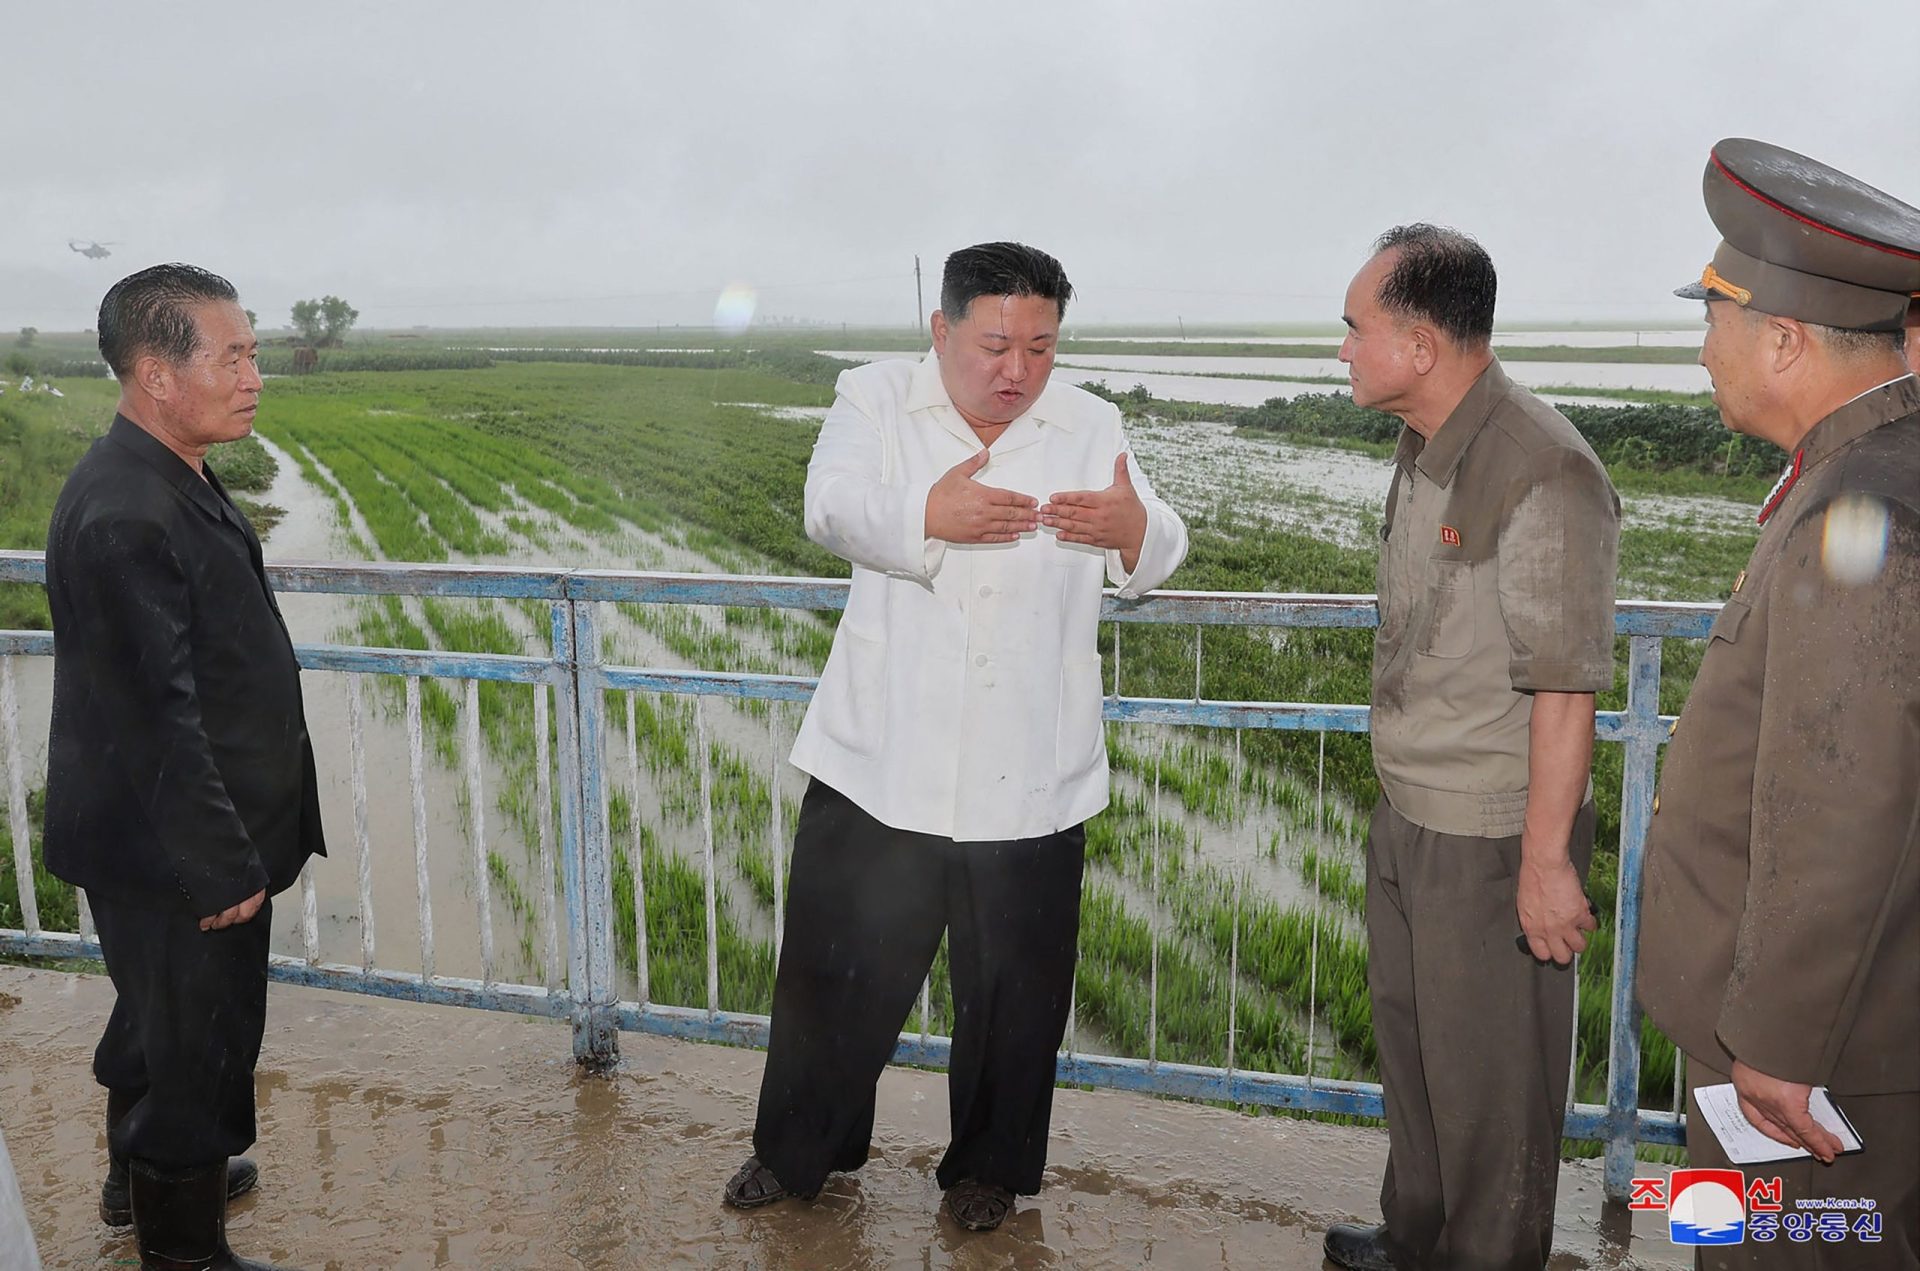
{"x": 1496, "y": 581}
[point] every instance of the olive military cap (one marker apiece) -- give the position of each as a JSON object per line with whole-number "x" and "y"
{"x": 1803, "y": 240}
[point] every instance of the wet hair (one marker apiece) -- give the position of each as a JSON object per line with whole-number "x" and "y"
{"x": 1001, "y": 269}
{"x": 1859, "y": 346}
{"x": 1440, "y": 276}
{"x": 151, "y": 312}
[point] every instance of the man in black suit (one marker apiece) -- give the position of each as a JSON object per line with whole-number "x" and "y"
{"x": 180, "y": 782}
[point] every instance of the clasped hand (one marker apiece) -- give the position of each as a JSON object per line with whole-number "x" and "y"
{"x": 1553, "y": 910}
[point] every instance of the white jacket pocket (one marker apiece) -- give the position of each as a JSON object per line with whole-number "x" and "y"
{"x": 1081, "y": 739}
{"x": 852, "y": 700}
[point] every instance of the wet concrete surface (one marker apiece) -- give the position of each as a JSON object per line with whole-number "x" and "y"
{"x": 402, "y": 1136}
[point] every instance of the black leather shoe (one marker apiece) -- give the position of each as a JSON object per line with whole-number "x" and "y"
{"x": 116, "y": 1209}
{"x": 1357, "y": 1247}
{"x": 180, "y": 1219}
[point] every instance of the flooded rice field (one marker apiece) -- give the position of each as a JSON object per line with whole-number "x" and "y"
{"x": 1249, "y": 381}
{"x": 1212, "y": 468}
{"x": 1642, "y": 375}
{"x": 1206, "y": 470}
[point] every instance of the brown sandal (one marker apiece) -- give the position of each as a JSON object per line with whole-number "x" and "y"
{"x": 979, "y": 1206}
{"x": 752, "y": 1186}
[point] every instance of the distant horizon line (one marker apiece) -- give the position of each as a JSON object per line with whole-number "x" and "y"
{"x": 1211, "y": 330}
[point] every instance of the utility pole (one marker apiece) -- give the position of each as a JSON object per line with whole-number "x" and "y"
{"x": 919, "y": 299}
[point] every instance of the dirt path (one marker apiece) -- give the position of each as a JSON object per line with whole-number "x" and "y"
{"x": 398, "y": 1136}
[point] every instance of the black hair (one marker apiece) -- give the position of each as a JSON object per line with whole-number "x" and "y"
{"x": 1001, "y": 269}
{"x": 1440, "y": 276}
{"x": 151, "y": 312}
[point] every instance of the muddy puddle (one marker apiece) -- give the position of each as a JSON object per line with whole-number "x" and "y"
{"x": 400, "y": 1136}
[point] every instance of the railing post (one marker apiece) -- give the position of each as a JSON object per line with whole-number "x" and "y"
{"x": 583, "y": 834}
{"x": 1642, "y": 751}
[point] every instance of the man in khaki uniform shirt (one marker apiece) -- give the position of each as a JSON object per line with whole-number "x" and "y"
{"x": 1496, "y": 629}
{"x": 1780, "y": 944}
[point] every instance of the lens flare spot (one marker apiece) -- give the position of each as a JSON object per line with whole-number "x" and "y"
{"x": 733, "y": 312}
{"x": 1854, "y": 546}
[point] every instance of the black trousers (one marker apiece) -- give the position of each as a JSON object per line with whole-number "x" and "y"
{"x": 865, "y": 911}
{"x": 185, "y": 1030}
{"x": 1475, "y": 1039}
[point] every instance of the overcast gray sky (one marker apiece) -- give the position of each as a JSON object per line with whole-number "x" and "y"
{"x": 535, "y": 164}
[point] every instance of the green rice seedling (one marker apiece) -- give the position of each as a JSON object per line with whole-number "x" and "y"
{"x": 448, "y": 462}
{"x": 57, "y": 901}
{"x": 677, "y": 934}
{"x": 1336, "y": 878}
{"x": 1113, "y": 991}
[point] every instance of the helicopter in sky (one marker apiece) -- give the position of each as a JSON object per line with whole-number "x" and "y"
{"x": 92, "y": 250}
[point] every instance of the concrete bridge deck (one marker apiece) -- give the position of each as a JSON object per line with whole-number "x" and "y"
{"x": 402, "y": 1136}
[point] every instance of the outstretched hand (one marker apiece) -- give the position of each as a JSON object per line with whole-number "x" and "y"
{"x": 962, "y": 510}
{"x": 1113, "y": 518}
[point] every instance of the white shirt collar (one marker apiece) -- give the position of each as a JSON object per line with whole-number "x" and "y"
{"x": 1876, "y": 388}
{"x": 926, "y": 389}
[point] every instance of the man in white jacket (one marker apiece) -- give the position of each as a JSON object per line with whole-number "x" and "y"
{"x": 955, "y": 741}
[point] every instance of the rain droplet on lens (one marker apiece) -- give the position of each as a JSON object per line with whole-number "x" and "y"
{"x": 733, "y": 312}
{"x": 1854, "y": 545}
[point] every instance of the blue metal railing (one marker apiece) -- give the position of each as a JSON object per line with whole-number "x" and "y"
{"x": 574, "y": 674}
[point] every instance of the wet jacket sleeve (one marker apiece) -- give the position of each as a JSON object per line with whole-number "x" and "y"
{"x": 130, "y": 595}
{"x": 851, "y": 508}
{"x": 1559, "y": 549}
{"x": 1833, "y": 792}
{"x": 1165, "y": 544}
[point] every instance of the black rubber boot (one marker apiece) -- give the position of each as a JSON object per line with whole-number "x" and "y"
{"x": 116, "y": 1210}
{"x": 180, "y": 1219}
{"x": 1358, "y": 1247}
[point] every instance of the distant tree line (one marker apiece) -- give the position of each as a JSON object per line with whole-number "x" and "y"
{"x": 324, "y": 323}
{"x": 1655, "y": 438}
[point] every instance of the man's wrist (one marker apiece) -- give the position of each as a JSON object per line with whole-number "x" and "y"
{"x": 1543, "y": 852}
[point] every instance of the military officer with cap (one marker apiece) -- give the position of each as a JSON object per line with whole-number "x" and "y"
{"x": 1780, "y": 945}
